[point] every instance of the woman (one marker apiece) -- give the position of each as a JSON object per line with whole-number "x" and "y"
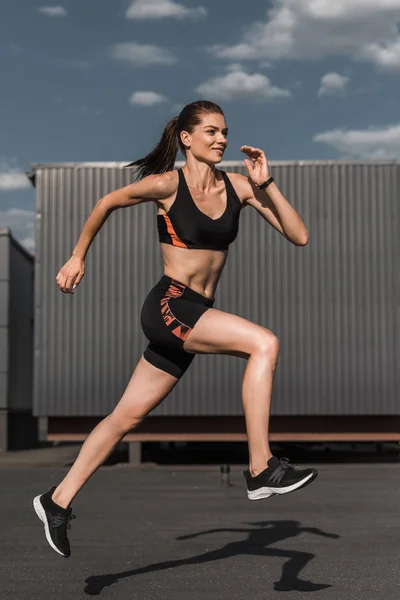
{"x": 198, "y": 217}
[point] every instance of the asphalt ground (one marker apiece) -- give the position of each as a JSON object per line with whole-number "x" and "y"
{"x": 178, "y": 532}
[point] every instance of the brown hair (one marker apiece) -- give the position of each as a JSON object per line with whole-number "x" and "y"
{"x": 163, "y": 157}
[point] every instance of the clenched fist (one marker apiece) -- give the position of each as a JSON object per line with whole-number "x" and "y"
{"x": 71, "y": 274}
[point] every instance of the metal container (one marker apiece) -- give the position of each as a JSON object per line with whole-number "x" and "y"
{"x": 333, "y": 304}
{"x": 18, "y": 429}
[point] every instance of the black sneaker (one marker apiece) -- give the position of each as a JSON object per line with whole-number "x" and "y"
{"x": 280, "y": 477}
{"x": 56, "y": 521}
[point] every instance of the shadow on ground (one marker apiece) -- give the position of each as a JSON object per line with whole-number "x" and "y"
{"x": 258, "y": 538}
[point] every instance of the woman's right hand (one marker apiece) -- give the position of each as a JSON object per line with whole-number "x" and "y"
{"x": 71, "y": 274}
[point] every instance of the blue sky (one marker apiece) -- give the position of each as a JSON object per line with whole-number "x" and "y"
{"x": 97, "y": 80}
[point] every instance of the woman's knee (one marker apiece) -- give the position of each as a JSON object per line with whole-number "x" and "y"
{"x": 268, "y": 345}
{"x": 124, "y": 422}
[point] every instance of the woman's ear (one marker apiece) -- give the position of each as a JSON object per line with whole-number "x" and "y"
{"x": 185, "y": 139}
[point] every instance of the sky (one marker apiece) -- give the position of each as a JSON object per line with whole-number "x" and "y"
{"x": 97, "y": 80}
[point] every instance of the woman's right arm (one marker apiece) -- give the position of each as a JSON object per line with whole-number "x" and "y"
{"x": 151, "y": 188}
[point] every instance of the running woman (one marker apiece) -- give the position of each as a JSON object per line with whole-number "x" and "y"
{"x": 198, "y": 210}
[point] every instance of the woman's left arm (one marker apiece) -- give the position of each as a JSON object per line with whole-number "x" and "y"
{"x": 270, "y": 203}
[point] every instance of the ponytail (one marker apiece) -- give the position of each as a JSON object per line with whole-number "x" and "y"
{"x": 163, "y": 157}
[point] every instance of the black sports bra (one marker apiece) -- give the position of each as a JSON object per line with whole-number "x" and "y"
{"x": 186, "y": 226}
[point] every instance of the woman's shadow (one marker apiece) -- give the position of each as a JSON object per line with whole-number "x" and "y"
{"x": 258, "y": 539}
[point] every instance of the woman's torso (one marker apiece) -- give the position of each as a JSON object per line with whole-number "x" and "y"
{"x": 199, "y": 269}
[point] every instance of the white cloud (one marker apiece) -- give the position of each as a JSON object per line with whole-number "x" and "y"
{"x": 161, "y": 9}
{"x": 373, "y": 143}
{"x": 384, "y": 56}
{"x": 53, "y": 11}
{"x": 238, "y": 85}
{"x": 12, "y": 178}
{"x": 146, "y": 98}
{"x": 333, "y": 84}
{"x": 21, "y": 224}
{"x": 364, "y": 30}
{"x": 346, "y": 8}
{"x": 142, "y": 55}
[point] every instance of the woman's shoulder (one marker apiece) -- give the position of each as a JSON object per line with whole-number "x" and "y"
{"x": 240, "y": 184}
{"x": 236, "y": 177}
{"x": 165, "y": 183}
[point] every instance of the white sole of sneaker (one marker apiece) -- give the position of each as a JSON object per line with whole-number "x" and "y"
{"x": 266, "y": 492}
{"x": 37, "y": 505}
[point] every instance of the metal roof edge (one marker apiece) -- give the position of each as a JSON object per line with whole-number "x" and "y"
{"x": 6, "y": 232}
{"x": 227, "y": 163}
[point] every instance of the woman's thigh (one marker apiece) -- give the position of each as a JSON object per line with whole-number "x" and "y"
{"x": 146, "y": 389}
{"x": 219, "y": 332}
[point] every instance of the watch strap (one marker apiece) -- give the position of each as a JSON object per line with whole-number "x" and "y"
{"x": 266, "y": 183}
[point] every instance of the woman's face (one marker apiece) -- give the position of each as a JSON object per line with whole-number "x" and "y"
{"x": 208, "y": 141}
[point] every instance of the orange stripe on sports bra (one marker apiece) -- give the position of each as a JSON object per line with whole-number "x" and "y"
{"x": 175, "y": 240}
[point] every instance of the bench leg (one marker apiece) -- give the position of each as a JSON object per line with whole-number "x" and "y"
{"x": 135, "y": 453}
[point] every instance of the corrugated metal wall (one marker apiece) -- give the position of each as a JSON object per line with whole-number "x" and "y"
{"x": 21, "y": 328}
{"x": 332, "y": 303}
{"x": 4, "y": 325}
{"x": 16, "y": 324}
{"x": 18, "y": 429}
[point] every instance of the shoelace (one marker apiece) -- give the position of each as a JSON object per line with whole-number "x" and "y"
{"x": 59, "y": 520}
{"x": 280, "y": 471}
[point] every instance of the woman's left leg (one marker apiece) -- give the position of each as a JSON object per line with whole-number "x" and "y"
{"x": 223, "y": 333}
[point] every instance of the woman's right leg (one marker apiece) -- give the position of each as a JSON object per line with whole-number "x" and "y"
{"x": 146, "y": 389}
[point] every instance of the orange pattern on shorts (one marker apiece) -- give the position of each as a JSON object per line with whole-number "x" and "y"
{"x": 181, "y": 330}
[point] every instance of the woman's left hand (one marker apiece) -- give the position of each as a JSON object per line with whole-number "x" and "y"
{"x": 258, "y": 165}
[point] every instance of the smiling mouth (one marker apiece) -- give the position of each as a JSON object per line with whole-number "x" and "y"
{"x": 218, "y": 150}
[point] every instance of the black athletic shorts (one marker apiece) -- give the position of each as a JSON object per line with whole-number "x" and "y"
{"x": 169, "y": 313}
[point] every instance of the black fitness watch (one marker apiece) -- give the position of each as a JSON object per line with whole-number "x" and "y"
{"x": 266, "y": 183}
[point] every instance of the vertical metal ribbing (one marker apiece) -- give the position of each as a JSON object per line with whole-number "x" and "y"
{"x": 333, "y": 304}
